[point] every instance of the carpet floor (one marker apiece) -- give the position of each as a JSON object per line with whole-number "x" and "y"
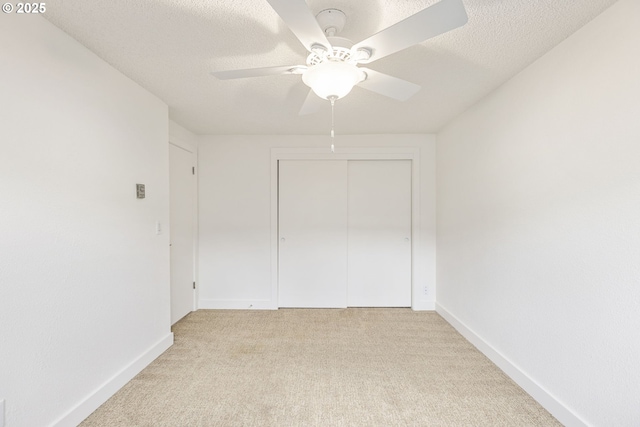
{"x": 316, "y": 367}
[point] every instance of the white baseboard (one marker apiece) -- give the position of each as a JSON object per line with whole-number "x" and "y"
{"x": 542, "y": 396}
{"x": 81, "y": 411}
{"x": 219, "y": 304}
{"x": 424, "y": 306}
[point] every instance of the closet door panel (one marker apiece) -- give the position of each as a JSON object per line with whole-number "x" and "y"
{"x": 379, "y": 224}
{"x": 312, "y": 241}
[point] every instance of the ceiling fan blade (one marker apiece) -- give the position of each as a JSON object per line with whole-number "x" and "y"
{"x": 430, "y": 22}
{"x": 312, "y": 104}
{"x": 297, "y": 15}
{"x": 259, "y": 72}
{"x": 387, "y": 85}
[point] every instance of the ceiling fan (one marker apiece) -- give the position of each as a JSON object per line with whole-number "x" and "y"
{"x": 332, "y": 67}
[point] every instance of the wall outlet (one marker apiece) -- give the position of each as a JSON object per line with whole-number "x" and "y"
{"x": 1, "y": 412}
{"x": 425, "y": 291}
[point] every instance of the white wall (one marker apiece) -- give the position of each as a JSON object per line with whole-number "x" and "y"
{"x": 84, "y": 280}
{"x": 235, "y": 213}
{"x": 539, "y": 223}
{"x": 182, "y": 137}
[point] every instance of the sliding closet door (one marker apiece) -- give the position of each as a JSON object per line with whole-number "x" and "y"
{"x": 379, "y": 273}
{"x": 312, "y": 241}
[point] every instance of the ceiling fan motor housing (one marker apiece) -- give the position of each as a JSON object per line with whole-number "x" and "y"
{"x": 337, "y": 53}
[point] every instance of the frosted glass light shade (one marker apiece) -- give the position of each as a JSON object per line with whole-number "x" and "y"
{"x": 332, "y": 78}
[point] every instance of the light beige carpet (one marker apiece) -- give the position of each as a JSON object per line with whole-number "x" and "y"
{"x": 300, "y": 367}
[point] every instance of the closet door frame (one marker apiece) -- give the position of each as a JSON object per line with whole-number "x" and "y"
{"x": 349, "y": 153}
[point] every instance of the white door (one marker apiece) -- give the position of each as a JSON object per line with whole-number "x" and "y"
{"x": 181, "y": 187}
{"x": 379, "y": 233}
{"x": 312, "y": 261}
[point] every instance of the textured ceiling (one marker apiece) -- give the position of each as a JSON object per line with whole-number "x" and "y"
{"x": 170, "y": 46}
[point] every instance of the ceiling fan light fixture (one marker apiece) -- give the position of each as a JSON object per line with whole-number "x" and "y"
{"x": 332, "y": 79}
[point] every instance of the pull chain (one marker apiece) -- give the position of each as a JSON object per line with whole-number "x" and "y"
{"x": 333, "y": 134}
